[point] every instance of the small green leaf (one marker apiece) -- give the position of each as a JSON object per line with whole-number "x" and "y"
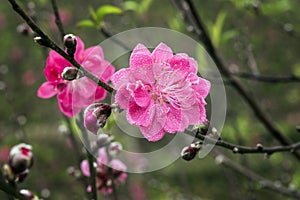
{"x": 93, "y": 14}
{"x": 144, "y": 5}
{"x": 130, "y": 6}
{"x": 106, "y": 10}
{"x": 86, "y": 23}
{"x": 275, "y": 8}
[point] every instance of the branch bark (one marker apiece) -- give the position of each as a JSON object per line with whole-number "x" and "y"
{"x": 189, "y": 10}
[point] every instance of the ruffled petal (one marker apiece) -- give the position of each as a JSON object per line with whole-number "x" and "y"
{"x": 155, "y": 131}
{"x": 141, "y": 49}
{"x": 176, "y": 121}
{"x": 121, "y": 77}
{"x": 47, "y": 90}
{"x": 122, "y": 97}
{"x": 162, "y": 53}
{"x": 140, "y": 116}
{"x": 202, "y": 88}
{"x": 141, "y": 96}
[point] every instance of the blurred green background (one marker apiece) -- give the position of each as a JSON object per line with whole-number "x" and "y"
{"x": 250, "y": 35}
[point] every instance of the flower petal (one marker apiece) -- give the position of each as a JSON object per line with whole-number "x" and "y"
{"x": 140, "y": 49}
{"x": 47, "y": 90}
{"x": 79, "y": 50}
{"x": 162, "y": 53}
{"x": 122, "y": 97}
{"x": 141, "y": 96}
{"x": 118, "y": 165}
{"x": 155, "y": 131}
{"x": 176, "y": 121}
{"x": 139, "y": 116}
{"x": 120, "y": 77}
{"x": 84, "y": 166}
{"x": 202, "y": 87}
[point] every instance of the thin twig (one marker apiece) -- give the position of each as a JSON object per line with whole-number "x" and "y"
{"x": 57, "y": 19}
{"x": 107, "y": 34}
{"x": 243, "y": 149}
{"x": 46, "y": 41}
{"x": 189, "y": 10}
{"x": 267, "y": 79}
{"x": 9, "y": 189}
{"x": 91, "y": 159}
{"x": 264, "y": 183}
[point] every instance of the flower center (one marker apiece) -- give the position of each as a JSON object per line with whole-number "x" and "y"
{"x": 173, "y": 88}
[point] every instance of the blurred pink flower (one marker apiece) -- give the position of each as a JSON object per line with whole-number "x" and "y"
{"x": 103, "y": 181}
{"x": 29, "y": 78}
{"x": 161, "y": 91}
{"x": 74, "y": 95}
{"x": 65, "y": 17}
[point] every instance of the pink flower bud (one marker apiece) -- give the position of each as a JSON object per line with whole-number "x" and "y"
{"x": 189, "y": 152}
{"x": 114, "y": 148}
{"x": 95, "y": 116}
{"x": 70, "y": 43}
{"x": 20, "y": 158}
{"x": 70, "y": 73}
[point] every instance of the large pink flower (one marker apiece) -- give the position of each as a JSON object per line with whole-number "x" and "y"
{"x": 74, "y": 95}
{"x": 103, "y": 181}
{"x": 161, "y": 91}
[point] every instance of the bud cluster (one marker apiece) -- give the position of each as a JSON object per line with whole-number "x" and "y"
{"x": 20, "y": 160}
{"x": 108, "y": 168}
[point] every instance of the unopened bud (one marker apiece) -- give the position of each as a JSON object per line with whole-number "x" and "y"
{"x": 28, "y": 194}
{"x": 259, "y": 147}
{"x": 235, "y": 150}
{"x": 114, "y": 148}
{"x": 40, "y": 41}
{"x": 20, "y": 158}
{"x": 103, "y": 140}
{"x": 189, "y": 152}
{"x": 69, "y": 73}
{"x": 70, "y": 43}
{"x": 95, "y": 116}
{"x": 24, "y": 29}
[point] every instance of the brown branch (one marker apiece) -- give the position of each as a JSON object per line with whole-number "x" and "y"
{"x": 5, "y": 187}
{"x": 263, "y": 182}
{"x": 188, "y": 8}
{"x": 57, "y": 19}
{"x": 267, "y": 79}
{"x": 243, "y": 149}
{"x": 46, "y": 41}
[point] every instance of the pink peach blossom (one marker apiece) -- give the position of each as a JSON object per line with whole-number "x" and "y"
{"x": 103, "y": 182}
{"x": 74, "y": 95}
{"x": 161, "y": 91}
